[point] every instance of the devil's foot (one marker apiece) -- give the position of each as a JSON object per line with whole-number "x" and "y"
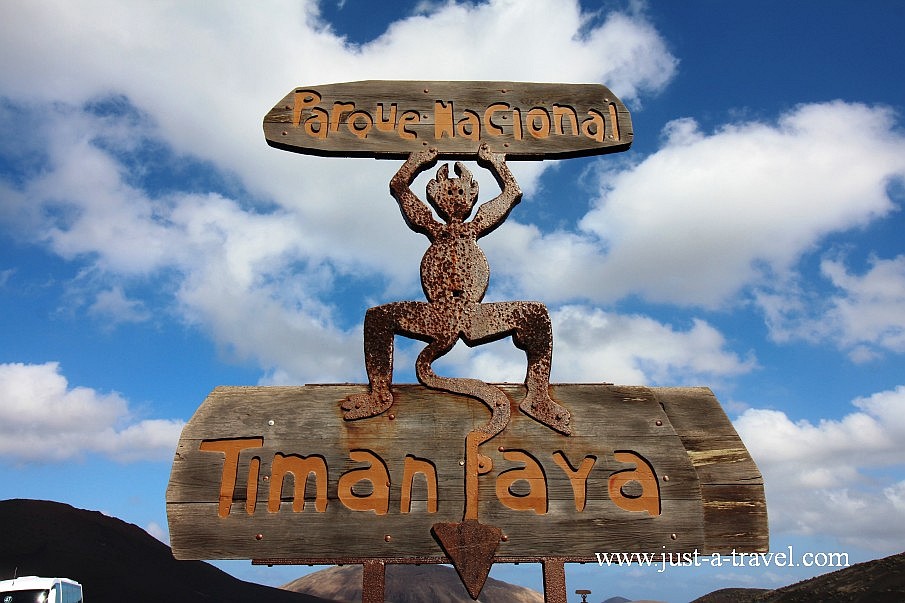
{"x": 541, "y": 407}
{"x": 360, "y": 406}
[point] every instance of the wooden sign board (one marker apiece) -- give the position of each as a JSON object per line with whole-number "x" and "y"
{"x": 396, "y": 118}
{"x": 276, "y": 473}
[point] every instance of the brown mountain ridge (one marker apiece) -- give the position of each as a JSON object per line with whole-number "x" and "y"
{"x": 409, "y": 584}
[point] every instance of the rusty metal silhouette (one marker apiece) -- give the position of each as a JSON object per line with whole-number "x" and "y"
{"x": 454, "y": 275}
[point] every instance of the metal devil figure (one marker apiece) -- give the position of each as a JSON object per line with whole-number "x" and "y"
{"x": 399, "y": 473}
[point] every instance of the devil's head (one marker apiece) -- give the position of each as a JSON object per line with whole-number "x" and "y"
{"x": 453, "y": 198}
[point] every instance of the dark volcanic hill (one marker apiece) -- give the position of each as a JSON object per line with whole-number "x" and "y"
{"x": 115, "y": 561}
{"x": 410, "y": 584}
{"x": 879, "y": 581}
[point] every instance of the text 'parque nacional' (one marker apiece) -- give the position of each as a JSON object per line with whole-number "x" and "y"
{"x": 524, "y": 121}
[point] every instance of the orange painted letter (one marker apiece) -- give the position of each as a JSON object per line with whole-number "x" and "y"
{"x": 649, "y": 498}
{"x": 378, "y": 500}
{"x": 301, "y": 100}
{"x": 300, "y": 467}
{"x": 413, "y": 466}
{"x": 533, "y": 474}
{"x": 593, "y": 127}
{"x": 490, "y": 127}
{"x": 231, "y": 450}
{"x": 578, "y": 478}
{"x": 443, "y": 119}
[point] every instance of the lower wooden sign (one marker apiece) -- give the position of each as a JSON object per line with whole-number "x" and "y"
{"x": 276, "y": 473}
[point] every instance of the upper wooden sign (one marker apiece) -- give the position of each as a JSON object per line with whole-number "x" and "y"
{"x": 395, "y": 118}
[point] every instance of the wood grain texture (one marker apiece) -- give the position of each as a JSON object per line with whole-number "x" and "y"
{"x": 708, "y": 490}
{"x": 732, "y": 488}
{"x": 395, "y": 118}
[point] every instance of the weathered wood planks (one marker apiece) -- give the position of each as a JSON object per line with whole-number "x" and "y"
{"x": 395, "y": 118}
{"x": 646, "y": 469}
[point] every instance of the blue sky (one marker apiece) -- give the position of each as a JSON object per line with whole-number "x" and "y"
{"x": 152, "y": 246}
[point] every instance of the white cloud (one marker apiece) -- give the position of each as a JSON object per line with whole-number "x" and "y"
{"x": 896, "y": 495}
{"x": 596, "y": 345}
{"x": 272, "y": 321}
{"x": 709, "y": 215}
{"x": 864, "y": 316}
{"x": 158, "y": 532}
{"x": 80, "y": 203}
{"x": 114, "y": 306}
{"x": 195, "y": 80}
{"x": 250, "y": 278}
{"x": 828, "y": 477}
{"x": 591, "y": 345}
{"x": 496, "y": 40}
{"x": 206, "y": 73}
{"x": 5, "y": 275}
{"x": 43, "y": 419}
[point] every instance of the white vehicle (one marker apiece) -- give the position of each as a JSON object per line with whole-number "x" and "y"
{"x": 32, "y": 589}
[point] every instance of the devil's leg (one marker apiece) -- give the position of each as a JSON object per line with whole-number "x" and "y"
{"x": 534, "y": 334}
{"x": 531, "y": 330}
{"x": 380, "y": 326}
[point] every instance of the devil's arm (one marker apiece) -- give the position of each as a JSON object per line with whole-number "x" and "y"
{"x": 416, "y": 213}
{"x": 491, "y": 214}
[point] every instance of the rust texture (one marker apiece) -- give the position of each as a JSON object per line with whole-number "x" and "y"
{"x": 470, "y": 545}
{"x": 454, "y": 276}
{"x": 373, "y": 581}
{"x": 554, "y": 580}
